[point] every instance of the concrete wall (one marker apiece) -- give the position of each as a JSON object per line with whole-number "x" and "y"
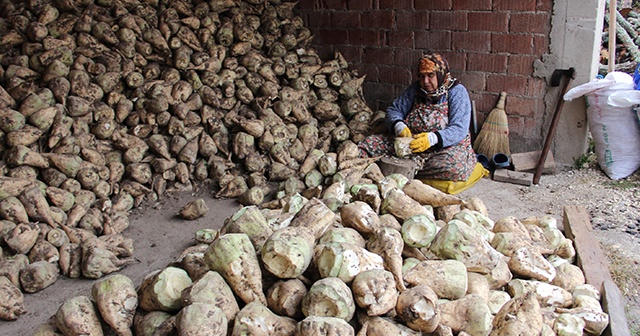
{"x": 575, "y": 42}
{"x": 491, "y": 45}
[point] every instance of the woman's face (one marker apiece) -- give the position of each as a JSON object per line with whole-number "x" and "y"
{"x": 429, "y": 81}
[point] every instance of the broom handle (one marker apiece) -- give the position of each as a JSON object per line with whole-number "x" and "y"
{"x": 551, "y": 133}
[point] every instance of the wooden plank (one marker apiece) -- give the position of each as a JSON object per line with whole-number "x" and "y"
{"x": 591, "y": 259}
{"x": 595, "y": 266}
{"x": 613, "y": 304}
{"x": 527, "y": 162}
{"x": 510, "y": 176}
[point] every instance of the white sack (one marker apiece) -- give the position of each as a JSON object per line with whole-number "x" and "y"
{"x": 613, "y": 122}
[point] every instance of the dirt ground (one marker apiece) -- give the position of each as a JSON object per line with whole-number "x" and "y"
{"x": 614, "y": 208}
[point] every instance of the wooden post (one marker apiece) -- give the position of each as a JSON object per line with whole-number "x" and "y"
{"x": 613, "y": 9}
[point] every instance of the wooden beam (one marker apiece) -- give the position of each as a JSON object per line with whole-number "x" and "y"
{"x": 613, "y": 304}
{"x": 527, "y": 162}
{"x": 595, "y": 266}
{"x": 510, "y": 176}
{"x": 590, "y": 258}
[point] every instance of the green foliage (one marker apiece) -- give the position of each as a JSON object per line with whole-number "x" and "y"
{"x": 587, "y": 159}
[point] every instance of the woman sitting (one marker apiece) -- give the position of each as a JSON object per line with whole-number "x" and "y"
{"x": 435, "y": 111}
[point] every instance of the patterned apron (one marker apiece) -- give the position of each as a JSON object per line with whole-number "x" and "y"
{"x": 454, "y": 163}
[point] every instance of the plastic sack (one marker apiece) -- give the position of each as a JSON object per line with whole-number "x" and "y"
{"x": 612, "y": 122}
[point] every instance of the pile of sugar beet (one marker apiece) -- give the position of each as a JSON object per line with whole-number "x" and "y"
{"x": 107, "y": 103}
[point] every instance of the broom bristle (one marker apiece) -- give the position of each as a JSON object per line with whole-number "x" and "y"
{"x": 493, "y": 137}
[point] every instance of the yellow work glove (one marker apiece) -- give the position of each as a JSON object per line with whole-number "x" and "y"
{"x": 402, "y": 130}
{"x": 405, "y": 133}
{"x": 423, "y": 141}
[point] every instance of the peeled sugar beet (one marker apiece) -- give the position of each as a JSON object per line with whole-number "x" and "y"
{"x": 322, "y": 325}
{"x": 211, "y": 288}
{"x": 256, "y": 319}
{"x": 161, "y": 290}
{"x": 117, "y": 301}
{"x": 329, "y": 297}
{"x": 375, "y": 291}
{"x": 201, "y": 319}
{"x": 285, "y": 297}
{"x": 234, "y": 257}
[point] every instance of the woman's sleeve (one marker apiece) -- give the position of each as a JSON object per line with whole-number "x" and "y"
{"x": 398, "y": 110}
{"x": 459, "y": 117}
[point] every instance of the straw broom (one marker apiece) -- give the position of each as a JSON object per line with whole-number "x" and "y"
{"x": 493, "y": 137}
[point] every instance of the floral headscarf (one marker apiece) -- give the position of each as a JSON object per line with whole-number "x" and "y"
{"x": 437, "y": 64}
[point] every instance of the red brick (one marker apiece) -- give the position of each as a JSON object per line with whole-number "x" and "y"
{"x": 396, "y": 90}
{"x": 533, "y": 126}
{"x": 395, "y": 75}
{"x": 516, "y": 125}
{"x": 544, "y": 6}
{"x": 493, "y": 22}
{"x": 433, "y": 5}
{"x": 521, "y": 64}
{"x": 537, "y": 88}
{"x": 512, "y": 43}
{"x": 396, "y": 4}
{"x": 379, "y": 91}
{"x": 448, "y": 21}
{"x": 324, "y": 51}
{"x": 367, "y": 38}
{"x": 486, "y": 62}
{"x": 333, "y": 36}
{"x": 353, "y": 54}
{"x": 430, "y": 40}
{"x": 359, "y": 4}
{"x": 485, "y": 102}
{"x": 371, "y": 70}
{"x": 523, "y": 127}
{"x": 532, "y": 23}
{"x": 509, "y": 84}
{"x": 305, "y": 5}
{"x": 456, "y": 60}
{"x": 521, "y": 106}
{"x": 472, "y": 5}
{"x": 473, "y": 81}
{"x": 377, "y": 56}
{"x": 474, "y": 97}
{"x": 378, "y": 19}
{"x": 345, "y": 19}
{"x": 471, "y": 41}
{"x": 511, "y": 5}
{"x": 540, "y": 45}
{"x": 319, "y": 19}
{"x": 332, "y": 4}
{"x": 407, "y": 57}
{"x": 409, "y": 20}
{"x": 402, "y": 39}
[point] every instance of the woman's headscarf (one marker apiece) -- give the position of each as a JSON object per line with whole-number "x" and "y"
{"x": 437, "y": 64}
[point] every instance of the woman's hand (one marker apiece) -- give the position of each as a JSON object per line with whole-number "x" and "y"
{"x": 402, "y": 130}
{"x": 423, "y": 141}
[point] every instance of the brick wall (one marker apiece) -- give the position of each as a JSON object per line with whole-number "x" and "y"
{"x": 490, "y": 45}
